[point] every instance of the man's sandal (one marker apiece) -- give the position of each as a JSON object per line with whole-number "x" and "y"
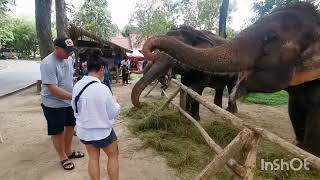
{"x": 67, "y": 164}
{"x": 76, "y": 154}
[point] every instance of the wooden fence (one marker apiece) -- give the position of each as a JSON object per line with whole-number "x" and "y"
{"x": 248, "y": 138}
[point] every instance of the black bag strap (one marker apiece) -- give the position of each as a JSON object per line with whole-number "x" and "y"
{"x": 78, "y": 96}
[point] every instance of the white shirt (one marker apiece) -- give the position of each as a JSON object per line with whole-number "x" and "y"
{"x": 97, "y": 109}
{"x": 124, "y": 62}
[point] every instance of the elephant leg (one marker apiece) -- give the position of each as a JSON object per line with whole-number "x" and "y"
{"x": 183, "y": 95}
{"x": 312, "y": 132}
{"x": 193, "y": 105}
{"x": 298, "y": 116}
{"x": 218, "y": 97}
{"x": 232, "y": 102}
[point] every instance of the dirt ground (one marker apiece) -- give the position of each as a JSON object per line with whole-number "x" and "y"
{"x": 273, "y": 118}
{"x": 27, "y": 153}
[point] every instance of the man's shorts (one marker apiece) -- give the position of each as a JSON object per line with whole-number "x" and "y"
{"x": 58, "y": 118}
{"x": 103, "y": 142}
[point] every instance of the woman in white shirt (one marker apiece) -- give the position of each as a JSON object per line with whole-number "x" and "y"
{"x": 95, "y": 111}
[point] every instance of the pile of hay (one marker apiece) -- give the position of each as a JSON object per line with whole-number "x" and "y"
{"x": 176, "y": 138}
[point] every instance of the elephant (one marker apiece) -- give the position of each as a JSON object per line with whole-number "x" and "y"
{"x": 163, "y": 79}
{"x": 197, "y": 80}
{"x": 277, "y": 52}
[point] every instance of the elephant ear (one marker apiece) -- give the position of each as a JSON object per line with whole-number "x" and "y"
{"x": 309, "y": 70}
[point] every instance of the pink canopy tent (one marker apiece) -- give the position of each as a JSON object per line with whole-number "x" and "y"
{"x": 136, "y": 55}
{"x": 136, "y": 59}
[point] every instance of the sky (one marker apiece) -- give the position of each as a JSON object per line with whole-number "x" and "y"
{"x": 121, "y": 11}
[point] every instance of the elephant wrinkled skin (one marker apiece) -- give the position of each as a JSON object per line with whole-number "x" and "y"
{"x": 271, "y": 53}
{"x": 196, "y": 80}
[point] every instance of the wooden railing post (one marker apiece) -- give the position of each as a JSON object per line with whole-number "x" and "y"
{"x": 183, "y": 99}
{"x": 170, "y": 98}
{"x": 239, "y": 124}
{"x": 230, "y": 151}
{"x": 232, "y": 166}
{"x": 154, "y": 86}
{"x": 39, "y": 82}
{"x": 249, "y": 136}
{"x": 251, "y": 159}
{"x": 1, "y": 139}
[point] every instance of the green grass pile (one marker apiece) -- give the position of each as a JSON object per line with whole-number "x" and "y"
{"x": 182, "y": 145}
{"x": 171, "y": 135}
{"x": 277, "y": 98}
{"x": 135, "y": 76}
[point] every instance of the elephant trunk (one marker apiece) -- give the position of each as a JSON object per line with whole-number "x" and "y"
{"x": 151, "y": 72}
{"x": 232, "y": 56}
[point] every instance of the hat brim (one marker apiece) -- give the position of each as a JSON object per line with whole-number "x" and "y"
{"x": 70, "y": 49}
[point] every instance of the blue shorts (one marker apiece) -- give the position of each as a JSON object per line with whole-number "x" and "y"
{"x": 102, "y": 143}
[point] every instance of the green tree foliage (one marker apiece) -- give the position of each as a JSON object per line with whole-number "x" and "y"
{"x": 152, "y": 17}
{"x": 129, "y": 29}
{"x": 25, "y": 38}
{"x": 94, "y": 17}
{"x": 156, "y": 17}
{"x": 6, "y": 34}
{"x": 19, "y": 35}
{"x": 208, "y": 13}
{"x": 4, "y": 6}
{"x": 187, "y": 13}
{"x": 231, "y": 33}
{"x": 263, "y": 7}
{"x": 201, "y": 14}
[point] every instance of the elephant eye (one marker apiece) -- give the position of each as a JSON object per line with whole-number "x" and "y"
{"x": 270, "y": 37}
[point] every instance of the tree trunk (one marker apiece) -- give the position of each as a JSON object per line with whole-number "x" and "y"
{"x": 223, "y": 18}
{"x": 61, "y": 18}
{"x": 43, "y": 26}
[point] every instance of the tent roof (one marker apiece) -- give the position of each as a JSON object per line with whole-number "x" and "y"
{"x": 135, "y": 53}
{"x": 76, "y": 32}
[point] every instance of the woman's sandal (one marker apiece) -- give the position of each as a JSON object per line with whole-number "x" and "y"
{"x": 76, "y": 154}
{"x": 67, "y": 164}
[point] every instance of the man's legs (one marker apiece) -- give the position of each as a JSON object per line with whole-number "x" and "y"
{"x": 55, "y": 119}
{"x": 123, "y": 75}
{"x": 128, "y": 74}
{"x": 94, "y": 164}
{"x": 127, "y": 78}
{"x": 68, "y": 135}
{"x": 59, "y": 145}
{"x": 113, "y": 163}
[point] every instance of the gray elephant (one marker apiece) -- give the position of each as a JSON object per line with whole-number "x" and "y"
{"x": 277, "y": 52}
{"x": 195, "y": 79}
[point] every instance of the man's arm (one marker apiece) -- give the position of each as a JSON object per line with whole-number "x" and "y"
{"x": 59, "y": 92}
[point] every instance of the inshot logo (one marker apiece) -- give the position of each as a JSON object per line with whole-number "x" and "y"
{"x": 294, "y": 164}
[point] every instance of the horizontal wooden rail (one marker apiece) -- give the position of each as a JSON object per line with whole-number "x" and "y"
{"x": 154, "y": 86}
{"x": 233, "y": 167}
{"x": 239, "y": 124}
{"x": 229, "y": 151}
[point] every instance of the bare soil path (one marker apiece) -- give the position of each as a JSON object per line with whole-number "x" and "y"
{"x": 27, "y": 153}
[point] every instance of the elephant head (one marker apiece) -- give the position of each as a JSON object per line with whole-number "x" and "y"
{"x": 269, "y": 51}
{"x": 158, "y": 68}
